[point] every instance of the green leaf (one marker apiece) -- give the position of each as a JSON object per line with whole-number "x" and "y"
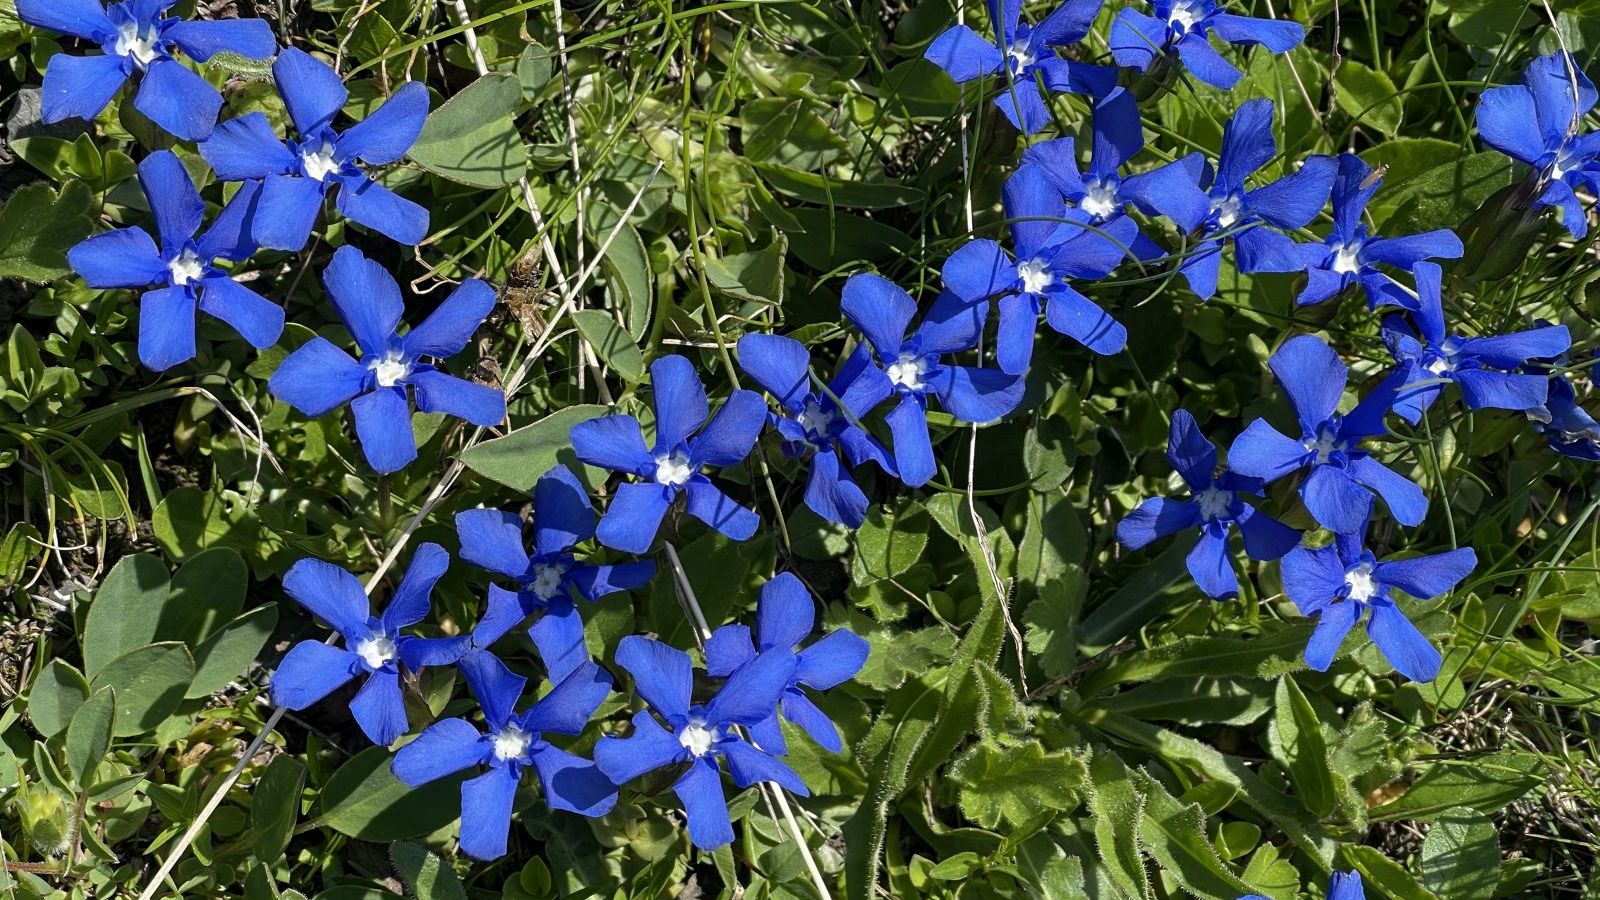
{"x": 1142, "y": 597}
{"x": 1305, "y": 748}
{"x": 1174, "y": 834}
{"x": 38, "y": 226}
{"x": 1445, "y": 195}
{"x": 890, "y": 543}
{"x": 275, "y": 806}
{"x": 1368, "y": 96}
{"x": 1051, "y": 620}
{"x": 125, "y": 612}
{"x": 518, "y": 459}
{"x": 1384, "y": 876}
{"x": 613, "y": 344}
{"x": 820, "y": 189}
{"x": 207, "y": 592}
{"x": 224, "y": 655}
{"x": 424, "y": 873}
{"x": 1015, "y": 783}
{"x": 1461, "y": 856}
{"x": 534, "y": 67}
{"x": 756, "y": 277}
{"x": 364, "y": 800}
{"x": 150, "y": 683}
{"x": 629, "y": 283}
{"x": 89, "y": 736}
{"x": 22, "y": 544}
{"x": 1486, "y": 784}
{"x": 472, "y": 138}
{"x": 897, "y": 654}
{"x": 1116, "y": 809}
{"x": 57, "y": 693}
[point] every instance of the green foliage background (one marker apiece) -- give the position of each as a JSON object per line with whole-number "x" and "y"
{"x": 1080, "y": 722}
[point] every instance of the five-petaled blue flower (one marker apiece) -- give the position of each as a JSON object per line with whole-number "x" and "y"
{"x": 685, "y": 442}
{"x": 183, "y": 265}
{"x": 1342, "y": 886}
{"x": 1537, "y": 122}
{"x": 699, "y": 734}
{"x": 1242, "y": 213}
{"x": 916, "y": 368}
{"x": 1051, "y": 253}
{"x": 1025, "y": 52}
{"x": 1217, "y": 504}
{"x": 296, "y": 173}
{"x": 785, "y": 616}
{"x": 373, "y": 645}
{"x": 814, "y": 421}
{"x": 1349, "y": 255}
{"x": 1102, "y": 195}
{"x": 319, "y": 377}
{"x": 1338, "y": 489}
{"x": 513, "y": 743}
{"x": 1183, "y": 27}
{"x": 1340, "y": 582}
{"x": 1568, "y": 428}
{"x": 1479, "y": 365}
{"x": 137, "y": 37}
{"x": 548, "y": 579}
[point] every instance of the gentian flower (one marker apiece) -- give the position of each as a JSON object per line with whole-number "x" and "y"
{"x": 1342, "y": 886}
{"x": 1051, "y": 253}
{"x": 182, "y": 269}
{"x": 296, "y": 173}
{"x": 916, "y": 365}
{"x": 1216, "y": 506}
{"x": 1350, "y": 256}
{"x": 1342, "y": 582}
{"x": 1478, "y": 364}
{"x": 1342, "y": 479}
{"x": 319, "y": 377}
{"x": 1568, "y": 428}
{"x": 137, "y": 37}
{"x": 1101, "y": 195}
{"x": 785, "y": 617}
{"x": 1026, "y": 52}
{"x": 814, "y": 421}
{"x": 548, "y": 579}
{"x": 373, "y": 647}
{"x": 1183, "y": 27}
{"x": 1537, "y": 122}
{"x": 1241, "y": 213}
{"x": 513, "y": 743}
{"x": 685, "y": 443}
{"x": 699, "y": 734}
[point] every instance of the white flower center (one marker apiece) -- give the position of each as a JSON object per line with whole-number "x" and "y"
{"x": 1347, "y": 258}
{"x": 673, "y": 469}
{"x": 389, "y": 370}
{"x": 512, "y": 743}
{"x": 1183, "y": 16}
{"x": 319, "y": 164}
{"x": 1100, "y": 200}
{"x": 1566, "y": 161}
{"x": 1021, "y": 56}
{"x": 186, "y": 267}
{"x": 697, "y": 738}
{"x": 1035, "y": 275}
{"x": 136, "y": 43}
{"x": 1440, "y": 365}
{"x": 1359, "y": 581}
{"x": 1215, "y": 503}
{"x": 814, "y": 419}
{"x": 377, "y": 650}
{"x": 546, "y": 581}
{"x": 1326, "y": 442}
{"x": 1228, "y": 209}
{"x": 907, "y": 371}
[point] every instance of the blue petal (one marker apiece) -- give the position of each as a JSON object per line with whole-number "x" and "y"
{"x": 486, "y": 803}
{"x": 380, "y": 709}
{"x": 679, "y": 401}
{"x": 1265, "y": 538}
{"x": 492, "y": 539}
{"x": 1407, "y": 503}
{"x": 1333, "y": 623}
{"x": 366, "y": 297}
{"x": 980, "y": 268}
{"x": 1201, "y": 268}
{"x": 799, "y": 709}
{"x": 1078, "y": 317}
{"x": 558, "y": 634}
{"x": 446, "y": 331}
{"x": 317, "y": 378}
{"x": 1192, "y": 456}
{"x": 570, "y": 704}
{"x": 613, "y": 442}
{"x": 200, "y": 40}
{"x": 751, "y": 693}
{"x": 1507, "y": 121}
{"x": 1312, "y": 576}
{"x": 634, "y": 516}
{"x": 950, "y": 325}
{"x": 443, "y": 748}
{"x": 964, "y": 54}
{"x": 1484, "y": 389}
{"x": 505, "y": 611}
{"x": 913, "y": 447}
{"x": 1336, "y": 500}
{"x": 663, "y": 676}
{"x": 648, "y": 748}
{"x": 312, "y": 91}
{"x": 1276, "y": 35}
{"x": 563, "y": 515}
{"x": 1313, "y": 376}
{"x": 1402, "y": 644}
{"x": 831, "y": 661}
{"x": 1136, "y": 39}
{"x": 1408, "y": 250}
{"x": 780, "y": 365}
{"x": 728, "y": 648}
{"x": 748, "y": 766}
{"x": 1205, "y": 63}
{"x": 1168, "y": 191}
{"x": 594, "y": 582}
{"x": 1068, "y": 23}
{"x": 365, "y": 201}
{"x": 713, "y": 507}
{"x": 880, "y": 309}
{"x": 479, "y": 404}
{"x": 1426, "y": 577}
{"x": 389, "y": 132}
{"x": 331, "y": 594}
{"x": 767, "y": 734}
{"x": 727, "y": 438}
{"x": 1057, "y": 159}
{"x": 286, "y": 212}
{"x": 166, "y": 327}
{"x": 247, "y": 147}
{"x": 257, "y": 319}
{"x": 85, "y": 19}
{"x": 123, "y": 258}
{"x": 1553, "y": 78}
{"x": 230, "y": 235}
{"x": 1156, "y": 518}
{"x": 1211, "y": 566}
{"x": 785, "y": 614}
{"x": 1509, "y": 351}
{"x": 1036, "y": 211}
{"x": 1260, "y": 249}
{"x": 1262, "y": 451}
{"x": 1004, "y": 15}
{"x": 79, "y": 86}
{"x": 174, "y": 202}
{"x": 1247, "y": 144}
{"x": 573, "y": 783}
{"x": 1346, "y": 886}
{"x": 496, "y": 688}
{"x": 1015, "y": 334}
{"x": 178, "y": 100}
{"x": 831, "y": 493}
{"x": 383, "y": 425}
{"x": 1023, "y": 106}
{"x": 1294, "y": 200}
{"x": 700, "y": 790}
{"x": 411, "y": 601}
{"x": 976, "y": 395}
{"x": 310, "y": 671}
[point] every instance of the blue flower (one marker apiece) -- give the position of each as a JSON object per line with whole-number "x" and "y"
{"x": 1342, "y": 582}
{"x": 1339, "y": 486}
{"x": 1051, "y": 253}
{"x": 1026, "y": 52}
{"x": 1216, "y": 506}
{"x": 1349, "y": 255}
{"x": 1479, "y": 365}
{"x": 319, "y": 377}
{"x": 136, "y": 37}
{"x": 814, "y": 421}
{"x": 373, "y": 645}
{"x": 512, "y": 743}
{"x": 296, "y": 173}
{"x": 1568, "y": 428}
{"x": 699, "y": 734}
{"x": 183, "y": 265}
{"x": 1102, "y": 195}
{"x": 1241, "y": 213}
{"x": 1183, "y": 27}
{"x": 916, "y": 368}
{"x": 1342, "y": 886}
{"x": 784, "y": 618}
{"x": 1537, "y": 122}
{"x": 685, "y": 443}
{"x": 548, "y": 579}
